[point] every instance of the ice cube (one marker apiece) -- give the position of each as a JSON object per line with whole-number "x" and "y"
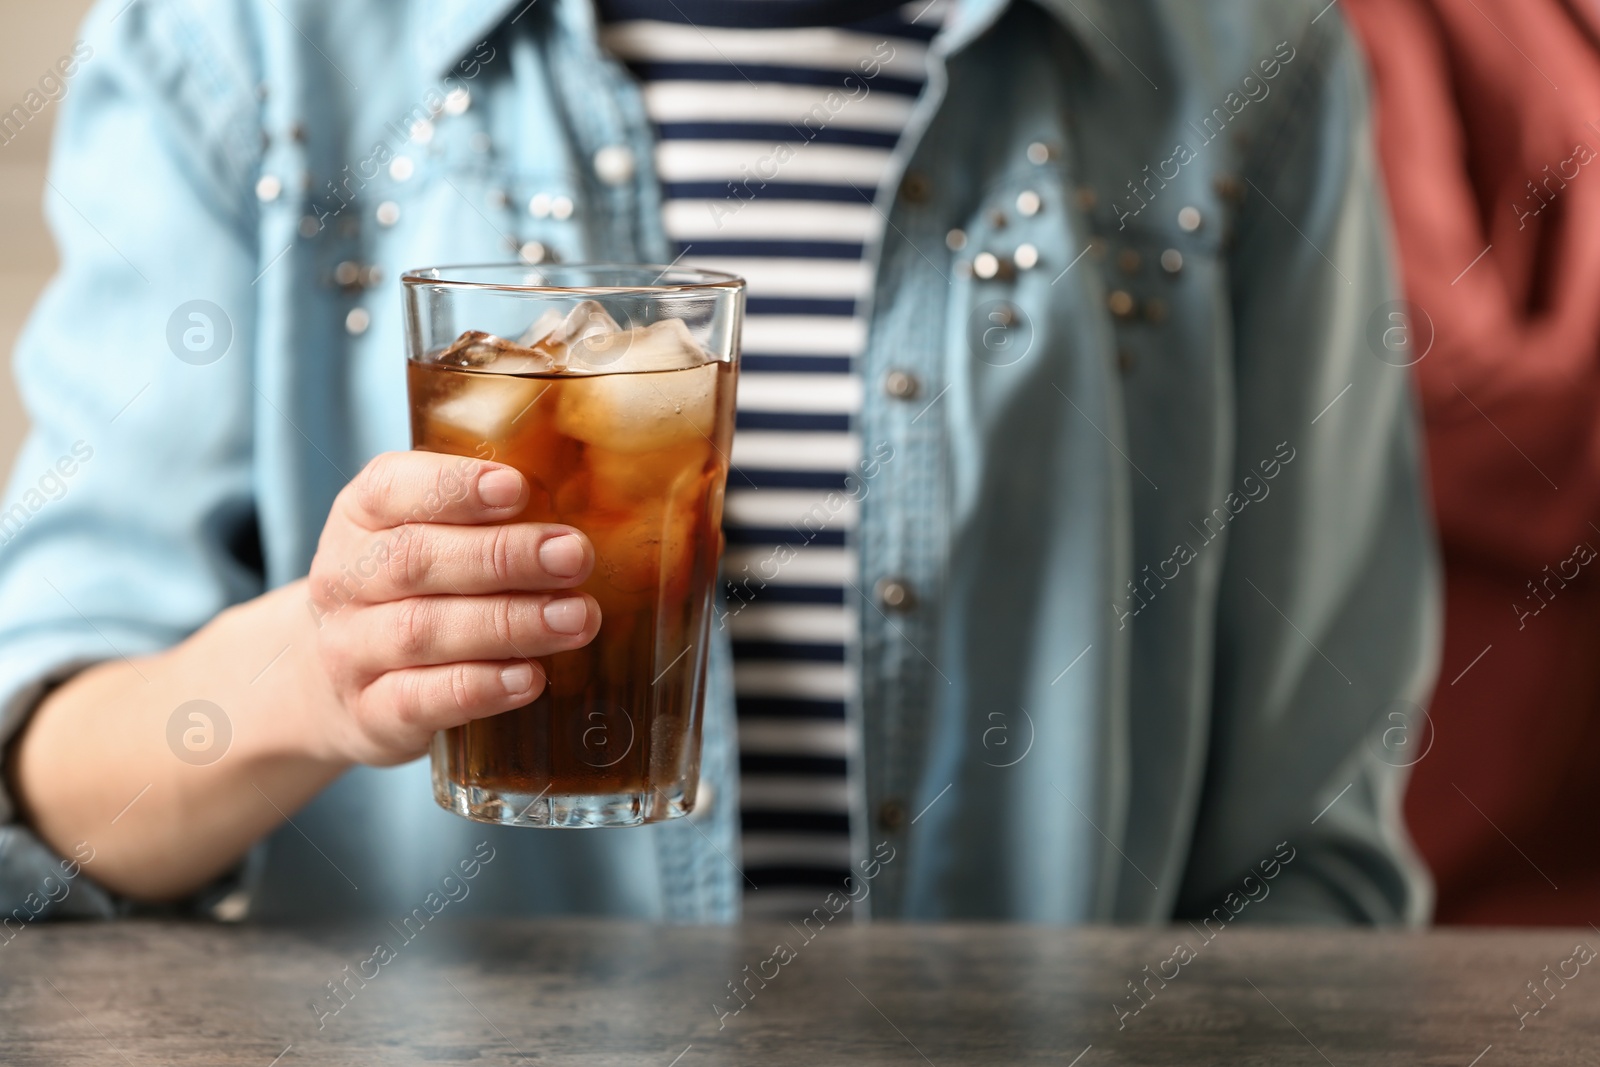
{"x": 640, "y": 412}
{"x": 541, "y": 328}
{"x": 587, "y": 321}
{"x": 665, "y": 345}
{"x": 484, "y": 406}
{"x": 484, "y": 350}
{"x": 472, "y": 349}
{"x": 488, "y": 406}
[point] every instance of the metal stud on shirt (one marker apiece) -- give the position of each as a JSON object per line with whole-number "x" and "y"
{"x": 1189, "y": 219}
{"x": 401, "y": 168}
{"x": 457, "y": 101}
{"x": 561, "y": 207}
{"x": 985, "y": 265}
{"x": 268, "y": 188}
{"x": 902, "y": 385}
{"x": 1172, "y": 261}
{"x": 955, "y": 240}
{"x": 539, "y": 205}
{"x": 357, "y": 321}
{"x": 614, "y": 164}
{"x": 892, "y": 593}
{"x": 388, "y": 213}
{"x": 891, "y": 815}
{"x": 422, "y": 131}
{"x": 915, "y": 187}
{"x": 1040, "y": 153}
{"x": 1028, "y": 203}
{"x": 1026, "y": 257}
{"x": 534, "y": 252}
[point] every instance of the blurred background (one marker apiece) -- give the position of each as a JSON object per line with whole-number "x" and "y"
{"x": 35, "y": 35}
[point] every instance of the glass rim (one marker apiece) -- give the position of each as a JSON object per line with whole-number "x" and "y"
{"x": 449, "y": 277}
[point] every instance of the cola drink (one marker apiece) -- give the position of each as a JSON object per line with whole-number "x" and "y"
{"x": 623, "y": 434}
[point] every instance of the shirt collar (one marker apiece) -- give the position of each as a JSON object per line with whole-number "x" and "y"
{"x": 447, "y": 30}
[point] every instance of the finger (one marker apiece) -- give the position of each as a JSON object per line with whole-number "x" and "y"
{"x": 433, "y": 698}
{"x": 420, "y": 631}
{"x": 405, "y": 487}
{"x": 430, "y": 559}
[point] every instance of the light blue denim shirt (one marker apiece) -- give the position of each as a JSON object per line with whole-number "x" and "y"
{"x": 1156, "y": 497}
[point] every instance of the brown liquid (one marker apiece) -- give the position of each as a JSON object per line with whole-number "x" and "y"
{"x": 622, "y": 715}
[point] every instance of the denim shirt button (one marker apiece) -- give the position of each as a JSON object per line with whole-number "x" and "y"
{"x": 539, "y": 205}
{"x": 1041, "y": 152}
{"x": 356, "y": 323}
{"x": 1172, "y": 261}
{"x": 1028, "y": 203}
{"x": 1121, "y": 303}
{"x": 1026, "y": 257}
{"x": 388, "y": 213}
{"x": 893, "y": 594}
{"x": 1189, "y": 219}
{"x": 956, "y": 240}
{"x": 268, "y": 188}
{"x": 901, "y": 385}
{"x": 892, "y": 815}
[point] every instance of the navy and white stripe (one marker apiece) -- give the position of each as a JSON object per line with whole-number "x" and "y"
{"x": 776, "y": 120}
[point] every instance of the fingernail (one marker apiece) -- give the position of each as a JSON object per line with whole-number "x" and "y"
{"x": 568, "y": 615}
{"x": 517, "y": 678}
{"x": 499, "y": 488}
{"x": 562, "y": 556}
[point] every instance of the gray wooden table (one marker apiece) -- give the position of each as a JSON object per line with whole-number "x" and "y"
{"x": 611, "y": 993}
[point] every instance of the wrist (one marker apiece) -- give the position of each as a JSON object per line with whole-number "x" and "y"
{"x": 286, "y": 697}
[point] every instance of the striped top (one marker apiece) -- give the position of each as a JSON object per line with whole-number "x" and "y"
{"x": 775, "y": 121}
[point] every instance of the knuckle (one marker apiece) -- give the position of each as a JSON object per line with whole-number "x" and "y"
{"x": 505, "y": 615}
{"x": 410, "y": 558}
{"x": 376, "y": 484}
{"x": 461, "y": 686}
{"x": 407, "y": 705}
{"x": 498, "y": 555}
{"x": 411, "y": 628}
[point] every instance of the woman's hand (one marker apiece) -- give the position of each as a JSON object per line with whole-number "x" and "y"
{"x": 430, "y": 608}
